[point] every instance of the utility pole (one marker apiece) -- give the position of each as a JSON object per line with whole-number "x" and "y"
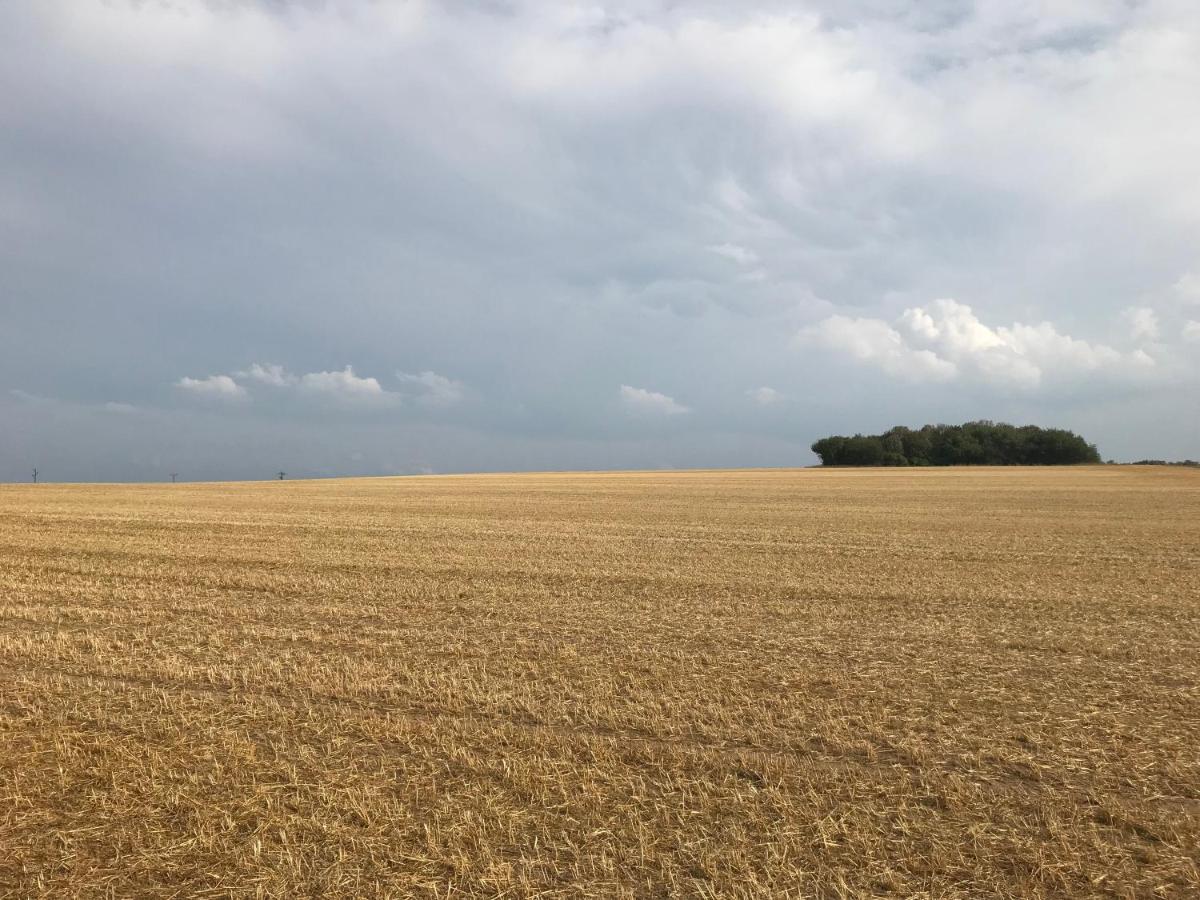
{"x": 174, "y": 475}
{"x": 281, "y": 474}
{"x": 35, "y": 475}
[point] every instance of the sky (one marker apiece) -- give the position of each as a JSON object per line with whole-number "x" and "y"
{"x": 359, "y": 238}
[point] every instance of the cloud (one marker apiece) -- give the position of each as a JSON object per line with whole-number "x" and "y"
{"x": 874, "y": 341}
{"x": 434, "y": 389}
{"x": 123, "y": 409}
{"x": 741, "y": 255}
{"x": 764, "y": 396}
{"x": 344, "y": 387}
{"x": 946, "y": 340}
{"x": 642, "y": 401}
{"x": 214, "y": 387}
{"x": 273, "y": 375}
{"x": 1191, "y": 332}
{"x": 339, "y": 388}
{"x": 26, "y": 397}
{"x": 528, "y": 195}
{"x": 1142, "y": 322}
{"x": 1187, "y": 288}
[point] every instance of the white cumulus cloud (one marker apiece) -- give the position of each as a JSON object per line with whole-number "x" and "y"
{"x": 875, "y": 341}
{"x": 340, "y": 387}
{"x": 219, "y": 387}
{"x": 343, "y": 386}
{"x": 640, "y": 400}
{"x": 946, "y": 340}
{"x": 274, "y": 375}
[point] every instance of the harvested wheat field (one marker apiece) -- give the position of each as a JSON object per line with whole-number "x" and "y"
{"x": 813, "y": 683}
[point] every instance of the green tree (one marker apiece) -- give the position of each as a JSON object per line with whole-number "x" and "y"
{"x": 982, "y": 442}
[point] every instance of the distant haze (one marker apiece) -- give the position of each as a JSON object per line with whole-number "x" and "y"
{"x": 351, "y": 237}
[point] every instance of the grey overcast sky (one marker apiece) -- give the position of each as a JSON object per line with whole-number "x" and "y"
{"x": 354, "y": 237}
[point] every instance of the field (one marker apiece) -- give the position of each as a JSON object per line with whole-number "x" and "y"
{"x": 812, "y": 683}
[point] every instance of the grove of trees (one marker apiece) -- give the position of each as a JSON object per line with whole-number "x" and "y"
{"x": 980, "y": 443}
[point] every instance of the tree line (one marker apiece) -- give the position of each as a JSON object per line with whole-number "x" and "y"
{"x": 1191, "y": 463}
{"x": 982, "y": 443}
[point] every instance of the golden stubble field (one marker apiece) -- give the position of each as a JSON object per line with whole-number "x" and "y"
{"x": 942, "y": 683}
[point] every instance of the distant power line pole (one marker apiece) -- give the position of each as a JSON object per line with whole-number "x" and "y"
{"x": 35, "y": 475}
{"x": 174, "y": 475}
{"x": 281, "y": 474}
